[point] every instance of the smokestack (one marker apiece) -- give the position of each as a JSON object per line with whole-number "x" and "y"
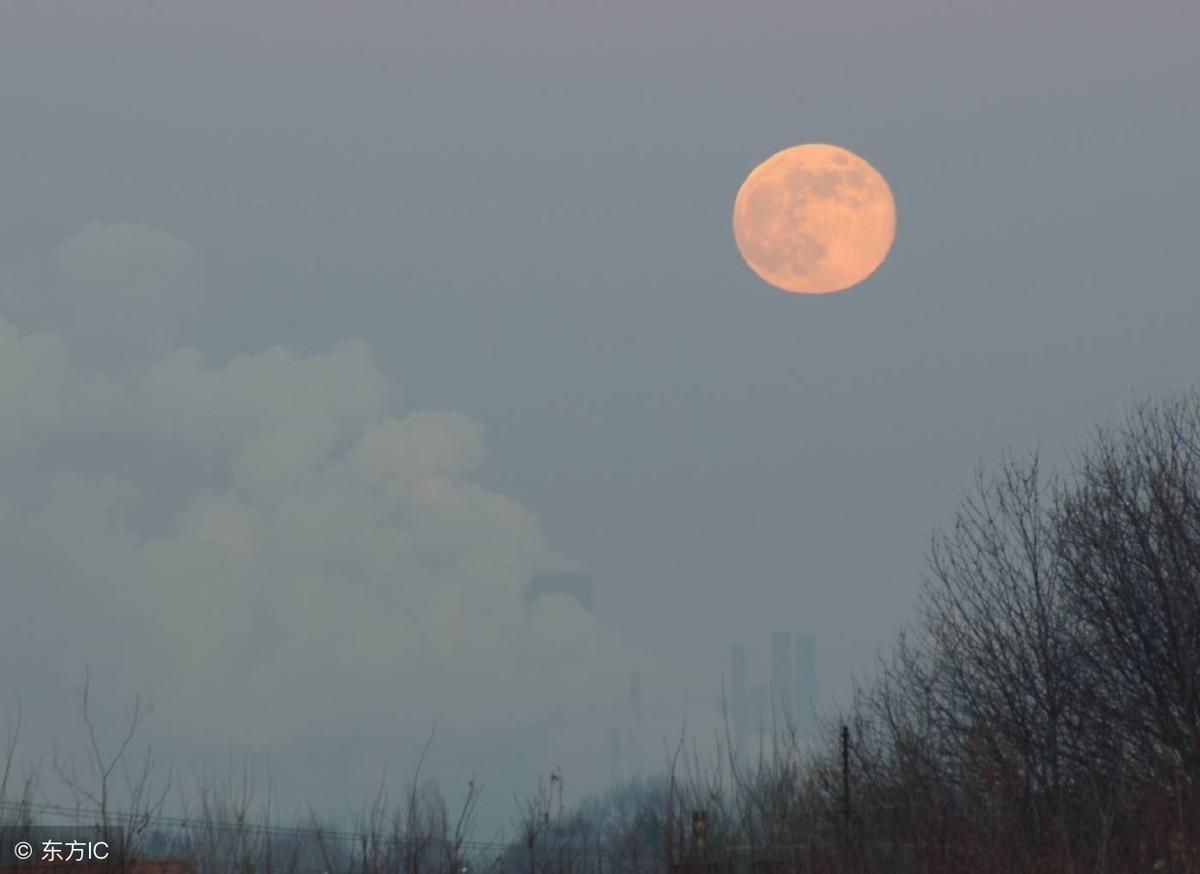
{"x": 739, "y": 703}
{"x": 614, "y": 755}
{"x": 635, "y": 730}
{"x": 758, "y": 706}
{"x": 806, "y": 683}
{"x": 782, "y": 682}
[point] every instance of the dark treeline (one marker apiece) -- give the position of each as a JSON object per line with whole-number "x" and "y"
{"x": 1042, "y": 714}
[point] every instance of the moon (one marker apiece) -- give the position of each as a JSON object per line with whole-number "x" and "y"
{"x": 814, "y": 219}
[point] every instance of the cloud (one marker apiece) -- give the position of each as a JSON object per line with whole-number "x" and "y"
{"x": 39, "y": 386}
{"x": 316, "y": 399}
{"x": 118, "y": 294}
{"x": 310, "y": 558}
{"x": 127, "y": 266}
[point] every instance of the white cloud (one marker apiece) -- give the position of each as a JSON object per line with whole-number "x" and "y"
{"x": 340, "y": 570}
{"x": 119, "y": 294}
{"x": 278, "y": 413}
{"x": 129, "y": 265}
{"x": 39, "y": 386}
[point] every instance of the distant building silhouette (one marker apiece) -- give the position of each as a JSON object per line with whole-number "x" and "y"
{"x": 806, "y": 684}
{"x": 575, "y": 585}
{"x": 634, "y": 733}
{"x": 739, "y": 703}
{"x": 782, "y": 679}
{"x": 614, "y": 755}
{"x": 759, "y": 714}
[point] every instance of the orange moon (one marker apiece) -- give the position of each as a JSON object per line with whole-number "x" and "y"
{"x": 814, "y": 219}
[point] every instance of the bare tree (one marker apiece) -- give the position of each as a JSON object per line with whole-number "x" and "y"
{"x": 93, "y": 784}
{"x": 15, "y": 811}
{"x": 1131, "y": 544}
{"x": 1004, "y": 663}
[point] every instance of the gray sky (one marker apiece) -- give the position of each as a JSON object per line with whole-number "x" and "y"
{"x": 325, "y": 324}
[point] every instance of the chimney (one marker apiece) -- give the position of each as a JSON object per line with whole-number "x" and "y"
{"x": 614, "y": 755}
{"x": 738, "y": 701}
{"x": 635, "y": 730}
{"x": 806, "y": 684}
{"x": 782, "y": 681}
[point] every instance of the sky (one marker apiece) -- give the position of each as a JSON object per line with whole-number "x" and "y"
{"x": 323, "y": 326}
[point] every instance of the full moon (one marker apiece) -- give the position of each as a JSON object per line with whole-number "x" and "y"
{"x": 814, "y": 219}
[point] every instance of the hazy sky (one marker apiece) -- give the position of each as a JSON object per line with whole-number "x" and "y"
{"x": 323, "y": 325}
